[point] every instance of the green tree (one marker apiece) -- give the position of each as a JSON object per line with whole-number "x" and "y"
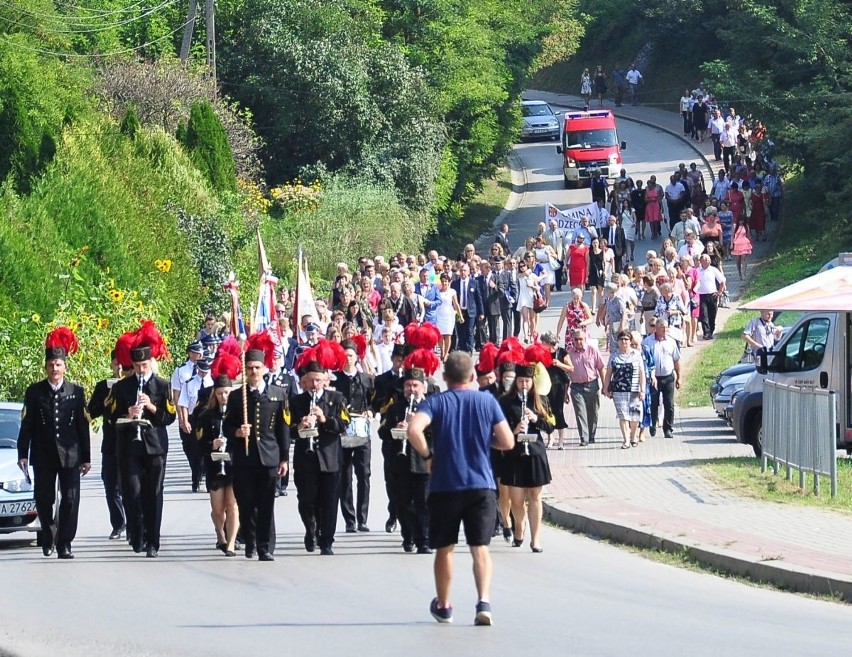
{"x": 208, "y": 147}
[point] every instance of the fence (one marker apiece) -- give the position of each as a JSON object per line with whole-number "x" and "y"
{"x": 799, "y": 426}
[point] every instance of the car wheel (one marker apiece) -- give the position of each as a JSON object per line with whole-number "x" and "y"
{"x": 569, "y": 184}
{"x": 756, "y": 433}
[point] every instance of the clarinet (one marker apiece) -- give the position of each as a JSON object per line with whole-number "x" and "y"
{"x": 314, "y": 420}
{"x": 525, "y": 421}
{"x": 404, "y": 449}
{"x": 222, "y": 437}
{"x": 139, "y": 394}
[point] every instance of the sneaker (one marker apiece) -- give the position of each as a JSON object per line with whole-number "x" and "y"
{"x": 444, "y": 614}
{"x": 483, "y": 614}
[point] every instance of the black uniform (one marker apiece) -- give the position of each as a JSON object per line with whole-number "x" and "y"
{"x": 317, "y": 471}
{"x": 518, "y": 468}
{"x": 410, "y": 479}
{"x": 283, "y": 379}
{"x": 54, "y": 437}
{"x": 388, "y": 388}
{"x": 142, "y": 463}
{"x": 209, "y": 423}
{"x": 109, "y": 463}
{"x": 256, "y": 473}
{"x": 357, "y": 391}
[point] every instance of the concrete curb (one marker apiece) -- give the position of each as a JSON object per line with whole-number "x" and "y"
{"x": 513, "y": 202}
{"x": 787, "y": 576}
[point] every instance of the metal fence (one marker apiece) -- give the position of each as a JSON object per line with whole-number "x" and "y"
{"x": 799, "y": 426}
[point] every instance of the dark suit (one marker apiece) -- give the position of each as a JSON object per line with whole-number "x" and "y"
{"x": 618, "y": 245}
{"x": 109, "y": 463}
{"x": 501, "y": 239}
{"x": 410, "y": 479}
{"x": 387, "y": 389}
{"x": 471, "y": 304}
{"x": 290, "y": 356}
{"x": 492, "y": 298}
{"x": 54, "y": 437}
{"x": 255, "y": 469}
{"x": 142, "y": 463}
{"x": 357, "y": 391}
{"x": 507, "y": 288}
{"x": 317, "y": 471}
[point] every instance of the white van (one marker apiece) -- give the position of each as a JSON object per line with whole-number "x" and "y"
{"x": 816, "y": 352}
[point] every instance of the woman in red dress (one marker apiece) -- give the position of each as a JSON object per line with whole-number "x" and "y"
{"x": 759, "y": 203}
{"x": 578, "y": 262}
{"x": 653, "y": 209}
{"x": 736, "y": 201}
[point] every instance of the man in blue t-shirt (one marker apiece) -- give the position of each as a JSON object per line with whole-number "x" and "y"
{"x": 465, "y": 425}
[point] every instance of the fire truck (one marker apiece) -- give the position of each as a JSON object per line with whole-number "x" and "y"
{"x": 589, "y": 143}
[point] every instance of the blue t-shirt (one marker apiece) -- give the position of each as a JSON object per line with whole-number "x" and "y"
{"x": 462, "y": 425}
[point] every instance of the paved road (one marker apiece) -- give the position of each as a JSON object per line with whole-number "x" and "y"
{"x": 578, "y": 597}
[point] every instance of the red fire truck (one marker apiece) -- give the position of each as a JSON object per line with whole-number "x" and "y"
{"x": 590, "y": 142}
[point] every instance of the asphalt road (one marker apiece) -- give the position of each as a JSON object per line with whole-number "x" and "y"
{"x": 579, "y": 597}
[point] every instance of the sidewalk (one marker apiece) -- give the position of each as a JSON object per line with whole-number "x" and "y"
{"x": 652, "y": 496}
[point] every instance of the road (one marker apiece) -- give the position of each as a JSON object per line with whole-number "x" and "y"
{"x": 578, "y": 597}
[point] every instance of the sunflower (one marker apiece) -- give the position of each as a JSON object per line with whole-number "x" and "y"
{"x": 163, "y": 266}
{"x": 103, "y": 323}
{"x": 116, "y": 295}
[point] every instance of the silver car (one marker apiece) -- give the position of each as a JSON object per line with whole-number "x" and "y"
{"x": 17, "y": 498}
{"x": 539, "y": 121}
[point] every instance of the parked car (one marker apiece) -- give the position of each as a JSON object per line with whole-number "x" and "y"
{"x": 726, "y": 393}
{"x": 17, "y": 497}
{"x": 540, "y": 121}
{"x": 733, "y": 372}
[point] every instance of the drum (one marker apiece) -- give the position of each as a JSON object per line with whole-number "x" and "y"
{"x": 357, "y": 433}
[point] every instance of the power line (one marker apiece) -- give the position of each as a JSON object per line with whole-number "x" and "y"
{"x": 102, "y": 28}
{"x": 68, "y": 17}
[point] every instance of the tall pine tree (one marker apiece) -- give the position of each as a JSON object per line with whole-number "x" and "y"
{"x": 208, "y": 147}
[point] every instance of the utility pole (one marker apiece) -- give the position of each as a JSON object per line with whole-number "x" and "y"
{"x": 211, "y": 37}
{"x": 187, "y": 32}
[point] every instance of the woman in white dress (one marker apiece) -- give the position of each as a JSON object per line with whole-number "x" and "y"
{"x": 608, "y": 261}
{"x": 546, "y": 274}
{"x": 628, "y": 223}
{"x": 527, "y": 291}
{"x": 445, "y": 317}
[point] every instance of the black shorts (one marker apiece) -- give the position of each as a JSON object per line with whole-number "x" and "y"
{"x": 477, "y": 509}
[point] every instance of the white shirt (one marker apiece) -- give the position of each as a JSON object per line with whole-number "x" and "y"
{"x": 633, "y": 76}
{"x": 685, "y": 103}
{"x": 675, "y": 190}
{"x": 708, "y": 279}
{"x": 696, "y": 248}
{"x": 720, "y": 188}
{"x": 182, "y": 374}
{"x": 190, "y": 390}
{"x": 666, "y": 352}
{"x": 728, "y": 137}
{"x": 716, "y": 125}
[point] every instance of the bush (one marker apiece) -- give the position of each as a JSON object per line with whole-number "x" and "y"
{"x": 208, "y": 147}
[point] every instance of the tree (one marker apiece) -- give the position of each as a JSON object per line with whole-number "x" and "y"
{"x": 208, "y": 147}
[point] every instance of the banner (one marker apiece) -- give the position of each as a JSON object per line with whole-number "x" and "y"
{"x": 238, "y": 327}
{"x": 264, "y": 315}
{"x": 304, "y": 302}
{"x": 569, "y": 219}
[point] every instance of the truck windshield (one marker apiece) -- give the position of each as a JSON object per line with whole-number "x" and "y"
{"x": 590, "y": 138}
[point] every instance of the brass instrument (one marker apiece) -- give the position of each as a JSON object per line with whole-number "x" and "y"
{"x": 311, "y": 432}
{"x": 402, "y": 436}
{"x": 221, "y": 454}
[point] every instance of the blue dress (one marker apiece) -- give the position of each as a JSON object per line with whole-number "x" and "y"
{"x": 648, "y": 359}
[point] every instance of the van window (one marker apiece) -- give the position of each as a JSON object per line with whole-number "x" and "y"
{"x": 806, "y": 347}
{"x": 591, "y": 138}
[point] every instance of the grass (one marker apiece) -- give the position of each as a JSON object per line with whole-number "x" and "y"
{"x": 743, "y": 477}
{"x": 481, "y": 211}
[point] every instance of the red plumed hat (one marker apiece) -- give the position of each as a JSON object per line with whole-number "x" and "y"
{"x": 422, "y": 336}
{"x": 147, "y": 335}
{"x": 229, "y": 346}
{"x": 261, "y": 347}
{"x": 331, "y": 355}
{"x": 487, "y": 358}
{"x": 513, "y": 345}
{"x": 538, "y": 353}
{"x": 122, "y": 349}
{"x": 360, "y": 341}
{"x": 425, "y": 359}
{"x": 60, "y": 342}
{"x": 226, "y": 364}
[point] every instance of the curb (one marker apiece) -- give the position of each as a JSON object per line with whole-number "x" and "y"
{"x": 513, "y": 202}
{"x": 786, "y": 576}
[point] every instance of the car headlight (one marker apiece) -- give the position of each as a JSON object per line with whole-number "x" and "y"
{"x": 734, "y": 396}
{"x": 17, "y": 486}
{"x": 613, "y": 159}
{"x": 553, "y": 124}
{"x": 730, "y": 391}
{"x": 572, "y": 162}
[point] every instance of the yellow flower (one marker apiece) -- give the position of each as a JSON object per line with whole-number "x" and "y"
{"x": 163, "y": 266}
{"x": 36, "y": 318}
{"x": 116, "y": 295}
{"x": 103, "y": 323}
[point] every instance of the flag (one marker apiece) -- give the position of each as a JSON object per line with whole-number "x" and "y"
{"x": 238, "y": 327}
{"x": 303, "y": 304}
{"x": 569, "y": 219}
{"x": 264, "y": 314}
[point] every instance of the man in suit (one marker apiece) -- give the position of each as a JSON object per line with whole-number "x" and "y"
{"x": 109, "y": 464}
{"x": 387, "y": 388}
{"x": 141, "y": 407}
{"x": 260, "y": 452}
{"x": 502, "y": 238}
{"x": 615, "y": 239}
{"x": 470, "y": 303}
{"x": 490, "y": 293}
{"x": 54, "y": 438}
{"x": 317, "y": 460}
{"x": 508, "y": 294}
{"x": 431, "y": 296}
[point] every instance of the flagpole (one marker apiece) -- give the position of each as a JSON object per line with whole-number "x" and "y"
{"x": 295, "y": 323}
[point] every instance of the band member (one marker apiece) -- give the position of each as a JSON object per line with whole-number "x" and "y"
{"x": 180, "y": 378}
{"x": 187, "y": 403}
{"x": 357, "y": 390}
{"x": 525, "y": 468}
{"x": 141, "y": 407}
{"x": 109, "y": 464}
{"x": 486, "y": 378}
{"x": 282, "y": 378}
{"x": 320, "y": 417}
{"x": 259, "y": 444}
{"x": 54, "y": 438}
{"x": 410, "y": 474}
{"x": 219, "y": 477}
{"x": 387, "y": 389}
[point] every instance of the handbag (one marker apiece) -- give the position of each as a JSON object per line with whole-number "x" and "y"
{"x": 539, "y": 303}
{"x": 724, "y": 301}
{"x": 555, "y": 265}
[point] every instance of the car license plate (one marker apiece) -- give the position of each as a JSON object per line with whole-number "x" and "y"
{"x": 17, "y": 508}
